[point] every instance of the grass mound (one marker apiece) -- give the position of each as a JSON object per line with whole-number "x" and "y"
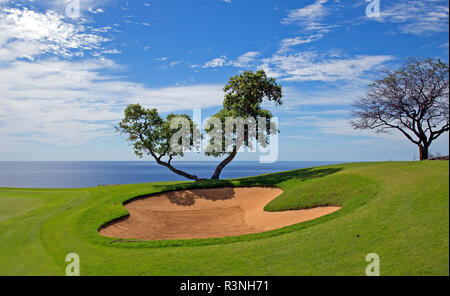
{"x": 399, "y": 210}
{"x": 332, "y": 190}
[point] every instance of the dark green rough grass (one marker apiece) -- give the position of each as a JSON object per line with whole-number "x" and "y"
{"x": 399, "y": 210}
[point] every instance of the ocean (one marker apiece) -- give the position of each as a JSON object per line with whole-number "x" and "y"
{"x": 78, "y": 174}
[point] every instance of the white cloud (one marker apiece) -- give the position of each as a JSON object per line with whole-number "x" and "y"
{"x": 309, "y": 17}
{"x": 305, "y": 66}
{"x": 111, "y": 51}
{"x": 91, "y": 6}
{"x": 309, "y": 12}
{"x": 310, "y": 66}
{"x": 217, "y": 62}
{"x": 342, "y": 95}
{"x": 288, "y": 43}
{"x": 332, "y": 122}
{"x": 27, "y": 34}
{"x": 66, "y": 103}
{"x": 246, "y": 59}
{"x": 341, "y": 125}
{"x": 48, "y": 97}
{"x": 95, "y": 11}
{"x": 418, "y": 17}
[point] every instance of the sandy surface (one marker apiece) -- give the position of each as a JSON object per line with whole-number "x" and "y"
{"x": 206, "y": 213}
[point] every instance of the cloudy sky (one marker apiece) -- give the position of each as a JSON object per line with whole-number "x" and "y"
{"x": 65, "y": 77}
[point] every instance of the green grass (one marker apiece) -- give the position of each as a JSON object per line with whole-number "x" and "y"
{"x": 399, "y": 210}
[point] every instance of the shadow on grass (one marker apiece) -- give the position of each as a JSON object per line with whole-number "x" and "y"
{"x": 301, "y": 175}
{"x": 187, "y": 198}
{"x": 268, "y": 180}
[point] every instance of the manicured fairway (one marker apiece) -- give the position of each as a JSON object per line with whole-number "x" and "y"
{"x": 399, "y": 210}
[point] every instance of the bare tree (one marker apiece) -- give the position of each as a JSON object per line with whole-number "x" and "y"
{"x": 413, "y": 100}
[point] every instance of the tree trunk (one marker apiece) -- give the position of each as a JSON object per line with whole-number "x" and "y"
{"x": 221, "y": 165}
{"x": 423, "y": 151}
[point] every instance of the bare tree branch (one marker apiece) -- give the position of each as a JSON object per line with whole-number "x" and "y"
{"x": 413, "y": 100}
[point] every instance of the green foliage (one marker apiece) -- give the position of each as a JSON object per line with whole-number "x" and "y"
{"x": 149, "y": 133}
{"x": 244, "y": 95}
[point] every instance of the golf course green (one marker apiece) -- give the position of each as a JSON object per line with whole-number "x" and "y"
{"x": 398, "y": 210}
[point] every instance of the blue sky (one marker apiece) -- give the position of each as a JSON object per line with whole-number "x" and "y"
{"x": 65, "y": 81}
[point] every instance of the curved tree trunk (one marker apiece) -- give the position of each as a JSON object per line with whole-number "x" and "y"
{"x": 224, "y": 163}
{"x": 176, "y": 171}
{"x": 179, "y": 172}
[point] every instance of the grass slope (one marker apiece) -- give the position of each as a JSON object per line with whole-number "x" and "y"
{"x": 399, "y": 210}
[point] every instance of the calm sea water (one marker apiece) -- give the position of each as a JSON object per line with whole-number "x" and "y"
{"x": 90, "y": 174}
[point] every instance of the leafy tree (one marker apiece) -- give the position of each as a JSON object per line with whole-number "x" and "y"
{"x": 151, "y": 134}
{"x": 413, "y": 100}
{"x": 244, "y": 94}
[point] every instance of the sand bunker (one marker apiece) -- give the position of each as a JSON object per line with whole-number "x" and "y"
{"x": 206, "y": 213}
